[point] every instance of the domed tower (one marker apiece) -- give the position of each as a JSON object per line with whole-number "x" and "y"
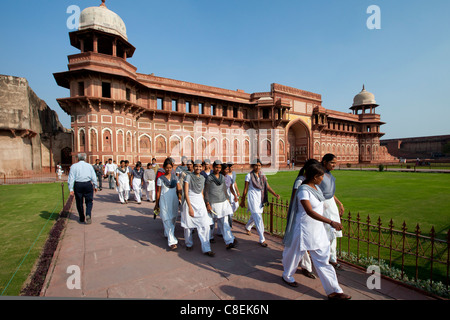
{"x": 102, "y": 84}
{"x": 102, "y": 31}
{"x": 364, "y": 101}
{"x": 364, "y": 105}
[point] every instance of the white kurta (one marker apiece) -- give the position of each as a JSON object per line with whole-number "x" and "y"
{"x": 254, "y": 197}
{"x": 168, "y": 205}
{"x": 312, "y": 232}
{"x": 256, "y": 209}
{"x": 123, "y": 188}
{"x": 201, "y": 216}
{"x": 310, "y": 235}
{"x": 222, "y": 209}
{"x": 137, "y": 188}
{"x": 168, "y": 202}
{"x": 233, "y": 201}
{"x": 123, "y": 180}
{"x": 331, "y": 211}
{"x": 200, "y": 221}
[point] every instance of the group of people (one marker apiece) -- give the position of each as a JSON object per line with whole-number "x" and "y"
{"x": 205, "y": 194}
{"x": 124, "y": 179}
{"x": 313, "y": 224}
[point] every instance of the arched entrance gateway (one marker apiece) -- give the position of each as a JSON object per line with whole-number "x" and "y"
{"x": 298, "y": 137}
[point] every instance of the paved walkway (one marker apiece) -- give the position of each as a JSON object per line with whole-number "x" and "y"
{"x": 124, "y": 254}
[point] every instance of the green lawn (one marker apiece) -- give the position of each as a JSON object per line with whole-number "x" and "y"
{"x": 416, "y": 198}
{"x": 27, "y": 213}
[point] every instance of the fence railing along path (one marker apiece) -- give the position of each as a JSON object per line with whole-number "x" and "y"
{"x": 417, "y": 256}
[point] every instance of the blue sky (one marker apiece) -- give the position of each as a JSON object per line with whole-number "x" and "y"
{"x": 319, "y": 46}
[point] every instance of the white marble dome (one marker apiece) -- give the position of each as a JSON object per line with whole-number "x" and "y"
{"x": 103, "y": 19}
{"x": 363, "y": 98}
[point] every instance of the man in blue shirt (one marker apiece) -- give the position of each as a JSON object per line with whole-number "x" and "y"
{"x": 82, "y": 182}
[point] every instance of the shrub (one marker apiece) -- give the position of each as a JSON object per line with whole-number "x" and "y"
{"x": 433, "y": 287}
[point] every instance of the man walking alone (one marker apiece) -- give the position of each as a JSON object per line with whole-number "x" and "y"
{"x": 82, "y": 183}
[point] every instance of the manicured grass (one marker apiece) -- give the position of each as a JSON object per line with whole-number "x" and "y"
{"x": 413, "y": 197}
{"x": 27, "y": 213}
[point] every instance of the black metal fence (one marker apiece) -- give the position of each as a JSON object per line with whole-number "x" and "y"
{"x": 417, "y": 256}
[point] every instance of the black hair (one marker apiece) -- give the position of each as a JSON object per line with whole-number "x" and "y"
{"x": 167, "y": 162}
{"x": 218, "y": 163}
{"x": 122, "y": 161}
{"x": 328, "y": 157}
{"x": 224, "y": 166}
{"x": 312, "y": 170}
{"x": 256, "y": 161}
{"x": 306, "y": 165}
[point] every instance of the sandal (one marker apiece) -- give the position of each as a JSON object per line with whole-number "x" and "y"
{"x": 292, "y": 284}
{"x": 210, "y": 254}
{"x": 173, "y": 247}
{"x": 263, "y": 244}
{"x": 308, "y": 274}
{"x": 232, "y": 245}
{"x": 336, "y": 265}
{"x": 339, "y": 296}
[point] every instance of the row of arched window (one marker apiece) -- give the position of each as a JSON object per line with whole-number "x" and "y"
{"x": 129, "y": 142}
{"x": 344, "y": 149}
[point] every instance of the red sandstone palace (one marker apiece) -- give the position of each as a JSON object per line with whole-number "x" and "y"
{"x": 119, "y": 113}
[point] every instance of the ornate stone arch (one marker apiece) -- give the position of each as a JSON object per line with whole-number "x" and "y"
{"x": 213, "y": 148}
{"x": 175, "y": 146}
{"x": 129, "y": 141}
{"x": 236, "y": 151}
{"x": 161, "y": 144}
{"x": 266, "y": 148}
{"x": 107, "y": 140}
{"x": 188, "y": 147}
{"x": 144, "y": 144}
{"x": 226, "y": 146}
{"x": 93, "y": 140}
{"x": 202, "y": 144}
{"x": 81, "y": 140}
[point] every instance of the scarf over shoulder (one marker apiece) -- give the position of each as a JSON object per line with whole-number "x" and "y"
{"x": 292, "y": 211}
{"x": 215, "y": 189}
{"x": 260, "y": 184}
{"x": 196, "y": 183}
{"x": 169, "y": 184}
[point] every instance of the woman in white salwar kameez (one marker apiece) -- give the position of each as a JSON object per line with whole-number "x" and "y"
{"x": 137, "y": 179}
{"x": 306, "y": 232}
{"x": 305, "y": 261}
{"x": 330, "y": 206}
{"x": 123, "y": 182}
{"x": 149, "y": 183}
{"x": 257, "y": 188}
{"x": 194, "y": 214}
{"x": 217, "y": 203}
{"x": 168, "y": 198}
{"x": 234, "y": 199}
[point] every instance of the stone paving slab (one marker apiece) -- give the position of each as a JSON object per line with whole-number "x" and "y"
{"x": 123, "y": 254}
